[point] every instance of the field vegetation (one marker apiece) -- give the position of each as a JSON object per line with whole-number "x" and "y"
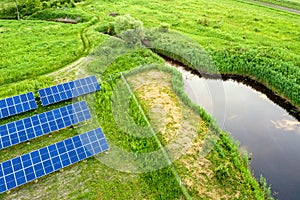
{"x": 50, "y": 46}
{"x": 241, "y": 38}
{"x": 249, "y": 40}
{"x": 10, "y": 9}
{"x": 162, "y": 183}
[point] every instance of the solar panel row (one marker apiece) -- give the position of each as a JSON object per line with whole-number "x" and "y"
{"x": 38, "y": 163}
{"x": 28, "y": 167}
{"x": 28, "y": 128}
{"x": 17, "y": 104}
{"x": 68, "y": 90}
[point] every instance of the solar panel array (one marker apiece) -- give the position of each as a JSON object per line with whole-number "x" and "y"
{"x": 17, "y": 104}
{"x": 28, "y": 128}
{"x": 25, "y": 168}
{"x": 38, "y": 163}
{"x": 68, "y": 90}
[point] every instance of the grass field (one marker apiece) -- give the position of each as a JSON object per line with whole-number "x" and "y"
{"x": 78, "y": 182}
{"x": 250, "y": 34}
{"x": 234, "y": 33}
{"x": 49, "y": 45}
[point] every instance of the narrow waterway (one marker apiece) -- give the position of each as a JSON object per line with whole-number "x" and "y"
{"x": 263, "y": 128}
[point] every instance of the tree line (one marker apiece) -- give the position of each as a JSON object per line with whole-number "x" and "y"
{"x": 17, "y": 9}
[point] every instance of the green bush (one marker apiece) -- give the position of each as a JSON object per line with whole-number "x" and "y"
{"x": 164, "y": 27}
{"x": 30, "y": 7}
{"x": 49, "y": 14}
{"x": 107, "y": 28}
{"x": 8, "y": 13}
{"x": 129, "y": 29}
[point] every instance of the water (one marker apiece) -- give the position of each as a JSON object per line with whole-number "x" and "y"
{"x": 263, "y": 128}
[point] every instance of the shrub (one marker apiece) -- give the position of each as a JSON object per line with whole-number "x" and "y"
{"x": 30, "y": 7}
{"x": 49, "y": 14}
{"x": 164, "y": 27}
{"x": 107, "y": 28}
{"x": 203, "y": 22}
{"x": 129, "y": 29}
{"x": 8, "y": 13}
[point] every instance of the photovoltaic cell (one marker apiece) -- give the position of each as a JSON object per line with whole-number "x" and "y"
{"x": 17, "y": 104}
{"x": 38, "y": 163}
{"x": 68, "y": 90}
{"x": 28, "y": 128}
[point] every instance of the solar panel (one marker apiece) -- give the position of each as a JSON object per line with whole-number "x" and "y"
{"x": 17, "y": 104}
{"x": 38, "y": 163}
{"x": 68, "y": 90}
{"x": 28, "y": 128}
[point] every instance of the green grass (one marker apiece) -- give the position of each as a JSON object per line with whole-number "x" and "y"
{"x": 236, "y": 34}
{"x": 29, "y": 49}
{"x": 94, "y": 180}
{"x": 224, "y": 155}
{"x": 273, "y": 28}
{"x": 77, "y": 180}
{"x": 232, "y": 32}
{"x": 247, "y": 32}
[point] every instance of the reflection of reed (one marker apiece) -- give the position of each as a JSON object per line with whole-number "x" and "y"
{"x": 287, "y": 125}
{"x": 188, "y": 76}
{"x": 263, "y": 96}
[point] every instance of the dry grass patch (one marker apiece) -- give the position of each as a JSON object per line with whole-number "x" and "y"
{"x": 176, "y": 122}
{"x": 165, "y": 111}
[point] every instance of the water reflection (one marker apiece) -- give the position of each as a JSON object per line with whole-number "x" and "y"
{"x": 262, "y": 127}
{"x": 287, "y": 125}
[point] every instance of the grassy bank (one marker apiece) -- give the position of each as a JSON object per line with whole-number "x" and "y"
{"x": 248, "y": 40}
{"x": 93, "y": 179}
{"x": 241, "y": 38}
{"x": 218, "y": 172}
{"x": 262, "y": 69}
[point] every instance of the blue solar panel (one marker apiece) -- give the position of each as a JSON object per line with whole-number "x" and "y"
{"x": 38, "y": 163}
{"x": 17, "y": 104}
{"x": 28, "y": 128}
{"x": 68, "y": 90}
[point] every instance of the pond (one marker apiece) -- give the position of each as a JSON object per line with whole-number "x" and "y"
{"x": 263, "y": 128}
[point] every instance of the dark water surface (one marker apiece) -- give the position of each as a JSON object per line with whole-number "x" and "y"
{"x": 263, "y": 128}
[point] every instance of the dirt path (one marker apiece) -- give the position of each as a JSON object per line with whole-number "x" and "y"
{"x": 290, "y": 10}
{"x": 71, "y": 71}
